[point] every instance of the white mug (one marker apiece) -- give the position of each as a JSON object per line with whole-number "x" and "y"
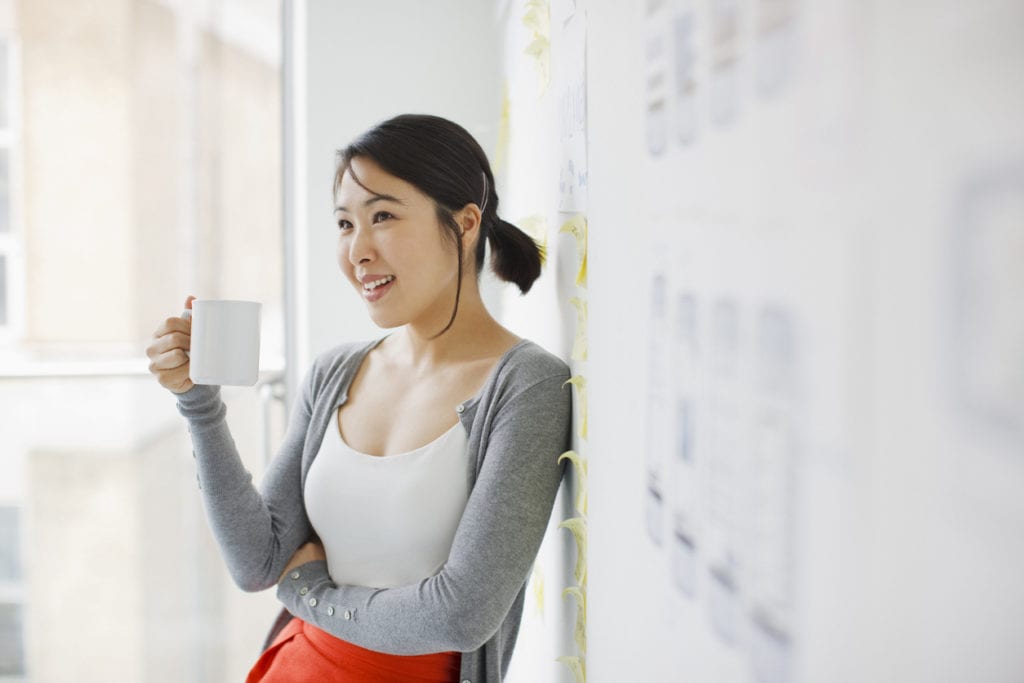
{"x": 225, "y": 346}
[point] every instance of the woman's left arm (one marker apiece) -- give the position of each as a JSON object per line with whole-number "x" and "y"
{"x": 496, "y": 542}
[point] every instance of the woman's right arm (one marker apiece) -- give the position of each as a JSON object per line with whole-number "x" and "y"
{"x": 258, "y": 532}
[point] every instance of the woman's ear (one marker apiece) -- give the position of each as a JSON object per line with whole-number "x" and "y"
{"x": 468, "y": 219}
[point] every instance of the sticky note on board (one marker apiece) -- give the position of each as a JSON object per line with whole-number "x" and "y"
{"x": 537, "y": 20}
{"x": 578, "y": 527}
{"x": 504, "y": 129}
{"x": 577, "y": 227}
{"x": 537, "y": 581}
{"x": 580, "y": 468}
{"x": 577, "y": 666}
{"x": 580, "y": 631}
{"x": 538, "y": 16}
{"x": 580, "y": 383}
{"x": 536, "y": 226}
{"x": 540, "y": 50}
{"x": 579, "y": 344}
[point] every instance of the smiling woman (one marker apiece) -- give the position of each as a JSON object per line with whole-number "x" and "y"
{"x": 405, "y": 508}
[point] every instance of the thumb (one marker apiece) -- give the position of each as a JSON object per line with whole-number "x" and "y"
{"x": 187, "y": 313}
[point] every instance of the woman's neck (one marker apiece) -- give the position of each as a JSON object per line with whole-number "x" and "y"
{"x": 473, "y": 334}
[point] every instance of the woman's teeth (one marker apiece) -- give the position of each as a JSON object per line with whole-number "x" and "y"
{"x": 370, "y": 286}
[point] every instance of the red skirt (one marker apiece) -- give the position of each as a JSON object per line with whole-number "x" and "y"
{"x": 302, "y": 652}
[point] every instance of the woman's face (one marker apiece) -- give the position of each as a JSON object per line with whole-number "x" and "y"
{"x": 393, "y": 250}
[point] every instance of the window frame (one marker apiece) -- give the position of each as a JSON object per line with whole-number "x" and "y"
{"x": 12, "y": 591}
{"x": 12, "y": 241}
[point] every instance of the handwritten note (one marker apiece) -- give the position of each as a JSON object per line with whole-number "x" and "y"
{"x": 569, "y": 53}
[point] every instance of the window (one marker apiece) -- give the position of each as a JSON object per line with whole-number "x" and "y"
{"x": 175, "y": 117}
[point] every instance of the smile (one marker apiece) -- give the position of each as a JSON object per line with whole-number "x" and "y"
{"x": 373, "y": 291}
{"x": 370, "y": 286}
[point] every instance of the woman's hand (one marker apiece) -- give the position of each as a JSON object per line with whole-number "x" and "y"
{"x": 168, "y": 352}
{"x": 310, "y": 552}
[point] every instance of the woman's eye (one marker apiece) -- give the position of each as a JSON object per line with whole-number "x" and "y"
{"x": 381, "y": 216}
{"x": 344, "y": 224}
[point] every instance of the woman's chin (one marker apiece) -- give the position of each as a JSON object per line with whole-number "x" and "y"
{"x": 385, "y": 322}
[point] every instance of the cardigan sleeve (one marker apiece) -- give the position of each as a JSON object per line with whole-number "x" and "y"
{"x": 495, "y": 544}
{"x": 258, "y": 531}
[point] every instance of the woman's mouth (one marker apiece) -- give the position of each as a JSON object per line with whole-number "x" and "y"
{"x": 373, "y": 291}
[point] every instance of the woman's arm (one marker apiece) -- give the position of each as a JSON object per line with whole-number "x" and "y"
{"x": 494, "y": 547}
{"x": 258, "y": 531}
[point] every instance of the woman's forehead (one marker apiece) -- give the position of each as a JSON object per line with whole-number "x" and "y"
{"x": 364, "y": 178}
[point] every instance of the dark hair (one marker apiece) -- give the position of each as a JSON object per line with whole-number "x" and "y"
{"x": 447, "y": 164}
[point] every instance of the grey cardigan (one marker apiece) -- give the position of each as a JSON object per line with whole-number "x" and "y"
{"x": 517, "y": 426}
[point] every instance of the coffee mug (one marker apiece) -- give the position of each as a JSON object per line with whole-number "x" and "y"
{"x": 225, "y": 347}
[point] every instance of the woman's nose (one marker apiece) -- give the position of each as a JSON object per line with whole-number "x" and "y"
{"x": 360, "y": 248}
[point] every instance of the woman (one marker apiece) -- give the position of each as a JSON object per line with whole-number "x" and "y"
{"x": 402, "y": 515}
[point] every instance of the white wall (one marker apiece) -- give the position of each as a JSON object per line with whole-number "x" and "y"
{"x": 859, "y": 170}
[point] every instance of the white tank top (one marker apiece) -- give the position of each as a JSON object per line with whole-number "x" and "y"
{"x": 387, "y": 521}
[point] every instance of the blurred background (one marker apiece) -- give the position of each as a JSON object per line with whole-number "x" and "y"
{"x": 140, "y": 161}
{"x": 785, "y": 261}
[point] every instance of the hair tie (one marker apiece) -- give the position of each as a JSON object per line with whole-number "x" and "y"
{"x": 483, "y": 205}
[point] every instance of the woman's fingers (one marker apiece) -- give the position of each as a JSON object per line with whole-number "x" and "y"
{"x": 168, "y": 352}
{"x": 172, "y": 341}
{"x": 168, "y": 360}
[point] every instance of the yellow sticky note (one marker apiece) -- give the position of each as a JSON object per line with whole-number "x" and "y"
{"x": 580, "y": 632}
{"x": 578, "y": 527}
{"x": 504, "y": 129}
{"x": 580, "y": 382}
{"x": 577, "y": 666}
{"x": 536, "y": 226}
{"x": 580, "y": 468}
{"x": 577, "y": 227}
{"x": 538, "y": 20}
{"x": 579, "y": 344}
{"x": 537, "y": 580}
{"x": 540, "y": 49}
